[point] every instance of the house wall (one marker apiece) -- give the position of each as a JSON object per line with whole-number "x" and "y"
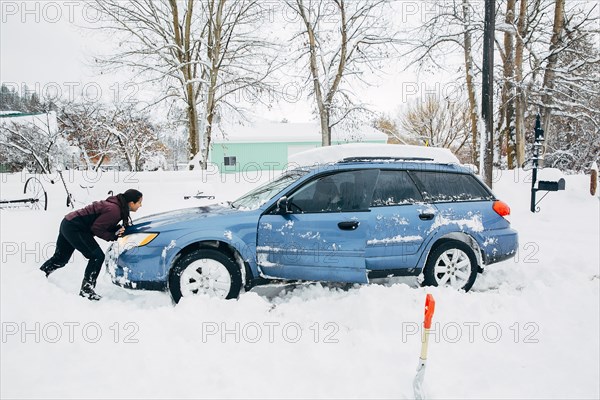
{"x": 261, "y": 156}
{"x": 253, "y": 156}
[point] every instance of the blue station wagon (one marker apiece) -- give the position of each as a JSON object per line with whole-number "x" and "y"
{"x": 349, "y": 221}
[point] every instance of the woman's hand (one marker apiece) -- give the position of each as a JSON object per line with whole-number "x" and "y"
{"x": 120, "y": 231}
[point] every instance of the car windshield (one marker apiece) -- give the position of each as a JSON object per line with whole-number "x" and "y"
{"x": 262, "y": 194}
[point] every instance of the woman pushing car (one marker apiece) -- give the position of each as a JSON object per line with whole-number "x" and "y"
{"x": 78, "y": 229}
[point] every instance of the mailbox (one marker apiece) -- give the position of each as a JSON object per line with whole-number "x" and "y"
{"x": 551, "y": 186}
{"x": 549, "y": 179}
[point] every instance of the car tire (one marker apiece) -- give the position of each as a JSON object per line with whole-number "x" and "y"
{"x": 205, "y": 271}
{"x": 452, "y": 263}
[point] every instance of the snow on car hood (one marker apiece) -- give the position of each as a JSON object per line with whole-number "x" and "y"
{"x": 160, "y": 221}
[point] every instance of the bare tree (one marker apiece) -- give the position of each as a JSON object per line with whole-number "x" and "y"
{"x": 506, "y": 125}
{"x": 519, "y": 101}
{"x": 83, "y": 124}
{"x": 201, "y": 52}
{"x": 135, "y": 136}
{"x": 440, "y": 123}
{"x": 118, "y": 132}
{"x": 549, "y": 72}
{"x": 342, "y": 40}
{"x": 239, "y": 59}
{"x": 574, "y": 140}
{"x": 544, "y": 67}
{"x": 388, "y": 126}
{"x": 32, "y": 140}
{"x": 454, "y": 27}
{"x": 564, "y": 65}
{"x": 156, "y": 41}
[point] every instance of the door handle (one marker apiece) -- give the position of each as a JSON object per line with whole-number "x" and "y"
{"x": 426, "y": 216}
{"x": 348, "y": 225}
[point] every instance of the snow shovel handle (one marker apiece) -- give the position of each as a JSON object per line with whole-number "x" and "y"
{"x": 418, "y": 381}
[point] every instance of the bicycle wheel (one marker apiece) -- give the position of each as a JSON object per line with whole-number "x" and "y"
{"x": 38, "y": 198}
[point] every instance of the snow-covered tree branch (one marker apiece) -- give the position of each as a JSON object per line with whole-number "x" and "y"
{"x": 340, "y": 42}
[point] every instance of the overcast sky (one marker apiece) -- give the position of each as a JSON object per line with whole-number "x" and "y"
{"x": 43, "y": 45}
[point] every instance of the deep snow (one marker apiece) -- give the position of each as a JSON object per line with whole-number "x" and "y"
{"x": 528, "y": 329}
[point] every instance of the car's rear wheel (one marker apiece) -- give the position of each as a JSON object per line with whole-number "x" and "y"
{"x": 205, "y": 271}
{"x": 452, "y": 263}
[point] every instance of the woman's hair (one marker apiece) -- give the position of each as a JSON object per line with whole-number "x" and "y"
{"x": 132, "y": 195}
{"x": 124, "y": 199}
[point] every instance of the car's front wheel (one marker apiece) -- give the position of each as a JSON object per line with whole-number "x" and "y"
{"x": 453, "y": 263}
{"x": 205, "y": 271}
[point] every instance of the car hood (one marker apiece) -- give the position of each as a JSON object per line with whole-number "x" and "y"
{"x": 181, "y": 218}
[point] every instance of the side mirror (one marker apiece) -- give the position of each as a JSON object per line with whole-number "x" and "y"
{"x": 283, "y": 206}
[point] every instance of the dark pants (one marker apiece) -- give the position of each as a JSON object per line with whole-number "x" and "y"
{"x": 70, "y": 238}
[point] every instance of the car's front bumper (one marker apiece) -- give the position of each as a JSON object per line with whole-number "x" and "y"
{"x": 118, "y": 265}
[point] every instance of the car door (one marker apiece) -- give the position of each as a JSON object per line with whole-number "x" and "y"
{"x": 323, "y": 234}
{"x": 400, "y": 223}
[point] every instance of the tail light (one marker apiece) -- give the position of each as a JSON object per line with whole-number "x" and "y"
{"x": 502, "y": 209}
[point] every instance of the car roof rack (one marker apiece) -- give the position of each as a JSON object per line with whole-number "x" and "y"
{"x": 371, "y": 158}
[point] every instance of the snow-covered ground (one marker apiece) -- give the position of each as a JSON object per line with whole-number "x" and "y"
{"x": 528, "y": 329}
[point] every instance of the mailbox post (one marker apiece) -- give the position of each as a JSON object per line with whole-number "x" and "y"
{"x": 547, "y": 186}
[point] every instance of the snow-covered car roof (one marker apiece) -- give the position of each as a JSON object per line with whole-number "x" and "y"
{"x": 370, "y": 151}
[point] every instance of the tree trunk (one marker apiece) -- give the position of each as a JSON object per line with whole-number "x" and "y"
{"x": 210, "y": 114}
{"x": 473, "y": 113}
{"x": 130, "y": 163}
{"x": 520, "y": 92}
{"x": 215, "y": 34}
{"x": 549, "y": 74}
{"x": 99, "y": 163}
{"x": 508, "y": 89}
{"x": 314, "y": 73}
{"x": 183, "y": 42}
{"x": 192, "y": 114}
{"x": 86, "y": 157}
{"x": 325, "y": 129}
{"x": 487, "y": 91}
{"x": 325, "y": 119}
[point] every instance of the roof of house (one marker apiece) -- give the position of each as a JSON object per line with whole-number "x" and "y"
{"x": 39, "y": 120}
{"x": 268, "y": 131}
{"x": 12, "y": 114}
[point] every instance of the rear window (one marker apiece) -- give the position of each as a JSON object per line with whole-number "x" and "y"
{"x": 395, "y": 188}
{"x": 446, "y": 187}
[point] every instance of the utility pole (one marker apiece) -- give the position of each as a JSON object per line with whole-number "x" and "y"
{"x": 487, "y": 92}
